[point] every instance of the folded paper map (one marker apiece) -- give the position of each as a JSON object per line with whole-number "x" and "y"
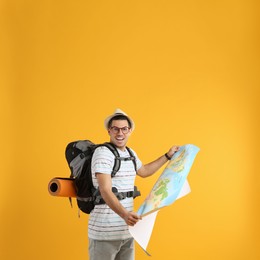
{"x": 171, "y": 185}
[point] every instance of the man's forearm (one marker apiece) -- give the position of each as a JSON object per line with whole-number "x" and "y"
{"x": 150, "y": 168}
{"x": 105, "y": 188}
{"x": 113, "y": 202}
{"x": 130, "y": 218}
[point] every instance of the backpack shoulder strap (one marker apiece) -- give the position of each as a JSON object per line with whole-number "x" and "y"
{"x": 117, "y": 162}
{"x": 118, "y": 159}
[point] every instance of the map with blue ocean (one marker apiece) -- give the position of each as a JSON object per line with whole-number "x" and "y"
{"x": 168, "y": 186}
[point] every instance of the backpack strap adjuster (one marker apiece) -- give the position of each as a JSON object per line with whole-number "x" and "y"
{"x": 82, "y": 155}
{"x": 121, "y": 195}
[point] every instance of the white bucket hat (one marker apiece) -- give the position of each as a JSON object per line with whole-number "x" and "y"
{"x": 116, "y": 113}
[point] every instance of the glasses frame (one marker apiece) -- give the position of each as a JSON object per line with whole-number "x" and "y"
{"x": 116, "y": 130}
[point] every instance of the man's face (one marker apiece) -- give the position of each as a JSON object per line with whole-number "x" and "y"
{"x": 119, "y": 133}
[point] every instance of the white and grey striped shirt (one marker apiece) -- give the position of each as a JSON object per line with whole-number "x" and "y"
{"x": 104, "y": 223}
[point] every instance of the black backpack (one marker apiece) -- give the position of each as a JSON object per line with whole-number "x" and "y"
{"x": 79, "y": 155}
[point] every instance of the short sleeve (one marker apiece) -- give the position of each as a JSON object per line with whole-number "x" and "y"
{"x": 102, "y": 161}
{"x": 138, "y": 161}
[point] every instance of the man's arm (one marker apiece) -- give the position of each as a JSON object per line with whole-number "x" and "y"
{"x": 105, "y": 187}
{"x": 150, "y": 168}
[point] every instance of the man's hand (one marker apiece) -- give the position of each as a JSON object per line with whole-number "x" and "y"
{"x": 131, "y": 218}
{"x": 173, "y": 150}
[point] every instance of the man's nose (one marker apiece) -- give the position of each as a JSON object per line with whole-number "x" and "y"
{"x": 120, "y": 130}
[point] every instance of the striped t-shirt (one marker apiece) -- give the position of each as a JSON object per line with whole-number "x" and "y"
{"x": 104, "y": 223}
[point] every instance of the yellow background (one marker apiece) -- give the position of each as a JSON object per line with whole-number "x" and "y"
{"x": 186, "y": 71}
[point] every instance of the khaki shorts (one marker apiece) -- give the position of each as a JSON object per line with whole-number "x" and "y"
{"x": 111, "y": 250}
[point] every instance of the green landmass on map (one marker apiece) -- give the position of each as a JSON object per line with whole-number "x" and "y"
{"x": 162, "y": 189}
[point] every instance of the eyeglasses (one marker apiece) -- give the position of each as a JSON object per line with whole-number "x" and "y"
{"x": 116, "y": 130}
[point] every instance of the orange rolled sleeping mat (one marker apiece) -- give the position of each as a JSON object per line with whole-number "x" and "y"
{"x": 62, "y": 187}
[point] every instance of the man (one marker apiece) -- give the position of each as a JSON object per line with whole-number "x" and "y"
{"x": 109, "y": 238}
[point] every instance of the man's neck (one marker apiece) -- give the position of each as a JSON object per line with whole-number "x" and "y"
{"x": 123, "y": 148}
